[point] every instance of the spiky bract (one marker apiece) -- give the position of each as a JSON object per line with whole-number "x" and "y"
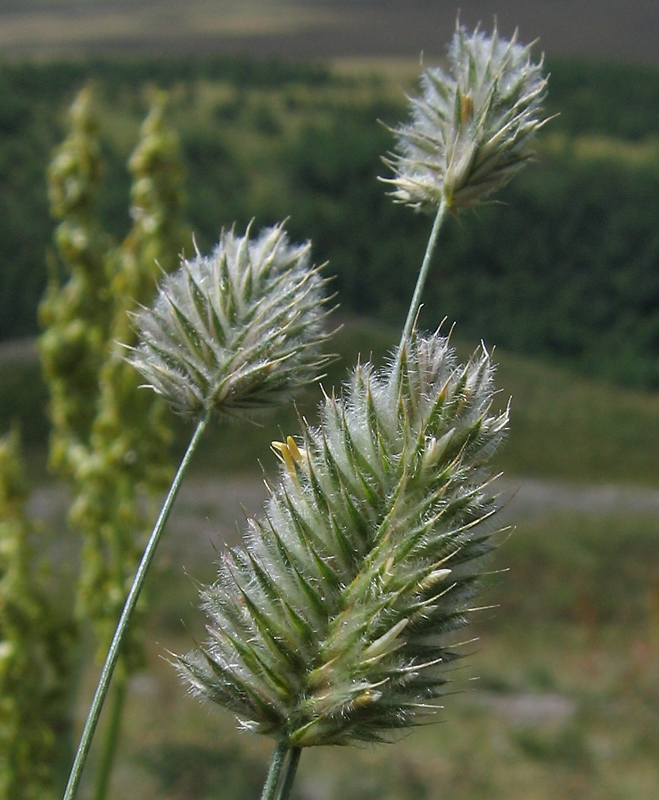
{"x": 333, "y": 623}
{"x": 238, "y": 330}
{"x": 472, "y": 126}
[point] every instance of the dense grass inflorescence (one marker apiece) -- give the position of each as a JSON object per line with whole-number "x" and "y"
{"x": 332, "y": 623}
{"x": 238, "y": 330}
{"x": 472, "y": 125}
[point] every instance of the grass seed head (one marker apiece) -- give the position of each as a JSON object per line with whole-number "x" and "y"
{"x": 334, "y": 622}
{"x": 237, "y": 331}
{"x": 472, "y": 125}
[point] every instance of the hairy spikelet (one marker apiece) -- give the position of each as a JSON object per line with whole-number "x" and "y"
{"x": 333, "y": 623}
{"x": 238, "y": 330}
{"x": 472, "y": 125}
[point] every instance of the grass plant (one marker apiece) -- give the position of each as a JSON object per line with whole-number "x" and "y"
{"x": 333, "y": 624}
{"x": 335, "y": 620}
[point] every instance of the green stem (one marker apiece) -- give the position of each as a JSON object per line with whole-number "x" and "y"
{"x": 423, "y": 272}
{"x": 274, "y": 773}
{"x": 111, "y": 734}
{"x": 289, "y": 773}
{"x": 131, "y": 601}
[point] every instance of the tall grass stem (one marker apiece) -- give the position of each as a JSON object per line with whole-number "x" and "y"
{"x": 274, "y": 772}
{"x": 289, "y": 773}
{"x": 129, "y": 607}
{"x": 423, "y": 272}
{"x": 111, "y": 741}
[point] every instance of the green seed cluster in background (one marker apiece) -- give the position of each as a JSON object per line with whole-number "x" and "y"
{"x": 35, "y": 651}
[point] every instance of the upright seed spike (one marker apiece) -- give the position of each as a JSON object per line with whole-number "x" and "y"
{"x": 402, "y": 568}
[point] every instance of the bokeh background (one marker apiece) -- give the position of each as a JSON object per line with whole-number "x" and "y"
{"x": 279, "y": 105}
{"x": 312, "y": 29}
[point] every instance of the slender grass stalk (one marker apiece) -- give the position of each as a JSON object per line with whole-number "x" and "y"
{"x": 104, "y": 770}
{"x": 129, "y": 607}
{"x": 423, "y": 272}
{"x": 274, "y": 772}
{"x": 290, "y": 771}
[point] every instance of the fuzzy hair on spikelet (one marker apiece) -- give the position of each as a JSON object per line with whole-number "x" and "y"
{"x": 333, "y": 623}
{"x": 472, "y": 125}
{"x": 237, "y": 331}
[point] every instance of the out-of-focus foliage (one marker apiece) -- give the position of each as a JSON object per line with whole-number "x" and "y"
{"x": 34, "y": 651}
{"x": 75, "y": 315}
{"x": 605, "y": 98}
{"x": 110, "y": 439}
{"x": 128, "y": 449}
{"x": 568, "y": 271}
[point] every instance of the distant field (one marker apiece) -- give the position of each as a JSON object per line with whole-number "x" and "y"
{"x": 611, "y": 29}
{"x": 271, "y": 140}
{"x": 563, "y": 427}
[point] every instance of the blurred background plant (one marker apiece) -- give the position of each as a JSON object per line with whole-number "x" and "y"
{"x": 109, "y": 440}
{"x": 125, "y": 456}
{"x": 36, "y": 652}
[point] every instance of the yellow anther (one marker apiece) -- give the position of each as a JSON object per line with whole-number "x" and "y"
{"x": 294, "y": 450}
{"x": 289, "y": 453}
{"x": 466, "y": 108}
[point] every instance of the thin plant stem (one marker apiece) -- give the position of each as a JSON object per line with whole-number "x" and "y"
{"x": 129, "y": 607}
{"x": 274, "y": 772}
{"x": 423, "y": 272}
{"x": 289, "y": 773}
{"x": 111, "y": 741}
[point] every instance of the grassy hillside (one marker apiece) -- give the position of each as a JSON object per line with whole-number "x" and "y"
{"x": 565, "y": 268}
{"x": 562, "y": 427}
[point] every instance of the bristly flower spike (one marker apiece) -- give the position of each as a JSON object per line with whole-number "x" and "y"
{"x": 334, "y": 622}
{"x": 237, "y": 331}
{"x": 472, "y": 126}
